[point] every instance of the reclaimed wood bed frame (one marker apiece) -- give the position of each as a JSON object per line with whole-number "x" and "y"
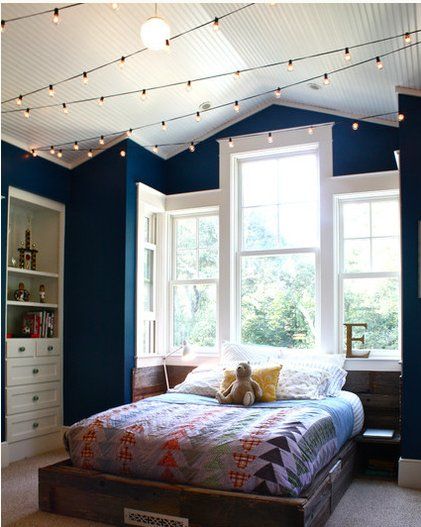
{"x": 117, "y": 500}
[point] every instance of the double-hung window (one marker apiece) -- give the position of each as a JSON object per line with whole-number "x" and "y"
{"x": 277, "y": 248}
{"x": 194, "y": 280}
{"x": 369, "y": 266}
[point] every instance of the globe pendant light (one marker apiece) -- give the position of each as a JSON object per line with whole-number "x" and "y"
{"x": 155, "y": 32}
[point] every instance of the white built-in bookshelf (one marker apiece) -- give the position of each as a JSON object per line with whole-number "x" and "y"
{"x": 34, "y": 326}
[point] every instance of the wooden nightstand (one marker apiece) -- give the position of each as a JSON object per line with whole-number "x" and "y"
{"x": 378, "y": 457}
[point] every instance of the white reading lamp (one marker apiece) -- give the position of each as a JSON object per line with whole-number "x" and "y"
{"x": 187, "y": 353}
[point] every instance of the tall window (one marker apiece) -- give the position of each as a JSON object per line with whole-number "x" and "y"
{"x": 369, "y": 267}
{"x": 148, "y": 288}
{"x": 277, "y": 248}
{"x": 194, "y": 279}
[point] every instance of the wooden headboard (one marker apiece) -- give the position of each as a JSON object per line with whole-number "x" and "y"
{"x": 379, "y": 391}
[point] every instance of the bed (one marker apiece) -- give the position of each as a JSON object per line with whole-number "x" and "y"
{"x": 183, "y": 458}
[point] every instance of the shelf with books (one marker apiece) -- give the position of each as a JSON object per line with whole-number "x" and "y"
{"x": 31, "y": 304}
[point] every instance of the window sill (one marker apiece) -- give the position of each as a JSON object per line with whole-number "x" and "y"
{"x": 373, "y": 364}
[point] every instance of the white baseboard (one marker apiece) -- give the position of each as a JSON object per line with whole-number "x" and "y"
{"x": 409, "y": 473}
{"x": 4, "y": 454}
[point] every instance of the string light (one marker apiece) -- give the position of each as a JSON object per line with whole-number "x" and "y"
{"x": 34, "y": 152}
{"x": 188, "y": 86}
{"x": 115, "y": 7}
{"x": 101, "y": 140}
{"x": 129, "y": 132}
{"x": 407, "y": 38}
{"x": 215, "y": 24}
{"x": 311, "y": 130}
{"x": 270, "y": 138}
{"x": 26, "y": 113}
{"x": 75, "y": 146}
{"x": 237, "y": 74}
{"x": 155, "y": 149}
{"x": 90, "y": 153}
{"x": 101, "y": 101}
{"x": 355, "y": 126}
{"x": 56, "y": 16}
{"x": 231, "y": 143}
{"x": 122, "y": 62}
{"x": 164, "y": 126}
{"x": 122, "y": 153}
{"x": 198, "y": 117}
{"x": 379, "y": 63}
{"x": 143, "y": 95}
{"x": 60, "y": 154}
{"x": 52, "y": 151}
{"x": 167, "y": 45}
{"x": 192, "y": 148}
{"x": 290, "y": 66}
{"x": 3, "y": 25}
{"x": 236, "y": 107}
{"x": 65, "y": 109}
{"x": 51, "y": 91}
{"x": 347, "y": 55}
{"x": 278, "y": 93}
{"x": 401, "y": 117}
{"x": 85, "y": 79}
{"x": 326, "y": 80}
{"x": 19, "y": 100}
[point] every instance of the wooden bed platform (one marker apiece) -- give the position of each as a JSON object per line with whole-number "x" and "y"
{"x": 116, "y": 500}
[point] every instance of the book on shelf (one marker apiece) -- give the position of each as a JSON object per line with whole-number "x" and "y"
{"x": 38, "y": 324}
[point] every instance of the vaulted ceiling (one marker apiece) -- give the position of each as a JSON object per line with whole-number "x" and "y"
{"x": 36, "y": 53}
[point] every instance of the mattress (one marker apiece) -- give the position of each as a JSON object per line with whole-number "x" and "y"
{"x": 269, "y": 448}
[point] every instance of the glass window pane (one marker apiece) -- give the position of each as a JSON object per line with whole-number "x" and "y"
{"x": 298, "y": 225}
{"x": 208, "y": 263}
{"x": 260, "y": 229}
{"x": 186, "y": 233}
{"x": 356, "y": 256}
{"x": 194, "y": 317}
{"x": 356, "y": 220}
{"x": 298, "y": 178}
{"x": 208, "y": 231}
{"x": 374, "y": 301}
{"x": 385, "y": 218}
{"x": 386, "y": 255}
{"x": 146, "y": 228}
{"x": 148, "y": 280}
{"x": 186, "y": 265}
{"x": 278, "y": 300}
{"x": 148, "y": 337}
{"x": 259, "y": 180}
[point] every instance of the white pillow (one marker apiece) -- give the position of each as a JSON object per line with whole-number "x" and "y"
{"x": 203, "y": 380}
{"x": 255, "y": 354}
{"x": 301, "y": 383}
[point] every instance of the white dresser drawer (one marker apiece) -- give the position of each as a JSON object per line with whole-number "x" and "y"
{"x": 32, "y": 424}
{"x": 21, "y": 347}
{"x": 32, "y": 397}
{"x": 30, "y": 371}
{"x": 48, "y": 347}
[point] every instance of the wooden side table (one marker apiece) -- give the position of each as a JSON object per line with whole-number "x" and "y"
{"x": 378, "y": 457}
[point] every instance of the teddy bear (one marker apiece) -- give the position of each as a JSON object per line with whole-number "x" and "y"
{"x": 244, "y": 390}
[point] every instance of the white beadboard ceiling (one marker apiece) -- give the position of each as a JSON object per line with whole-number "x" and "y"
{"x": 35, "y": 53}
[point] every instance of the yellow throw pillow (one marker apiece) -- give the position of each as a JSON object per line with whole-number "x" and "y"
{"x": 266, "y": 377}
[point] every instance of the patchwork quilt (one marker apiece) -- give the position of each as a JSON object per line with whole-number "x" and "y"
{"x": 269, "y": 448}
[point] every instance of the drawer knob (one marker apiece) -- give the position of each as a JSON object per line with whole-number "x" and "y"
{"x": 35, "y": 371}
{"x": 35, "y": 398}
{"x": 22, "y": 348}
{"x": 35, "y": 425}
{"x": 50, "y": 348}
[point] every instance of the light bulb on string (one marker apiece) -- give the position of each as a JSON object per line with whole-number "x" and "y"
{"x": 101, "y": 140}
{"x": 65, "y": 109}
{"x": 290, "y": 66}
{"x": 26, "y": 113}
{"x": 122, "y": 62}
{"x": 311, "y": 130}
{"x": 401, "y": 117}
{"x": 270, "y": 138}
{"x": 51, "y": 91}
{"x": 155, "y": 149}
{"x": 215, "y": 24}
{"x": 143, "y": 95}
{"x": 198, "y": 117}
{"x": 56, "y": 16}
{"x": 3, "y": 25}
{"x": 379, "y": 63}
{"x": 278, "y": 93}
{"x": 34, "y": 152}
{"x": 122, "y": 153}
{"x": 347, "y": 55}
{"x": 230, "y": 142}
{"x": 101, "y": 101}
{"x": 355, "y": 126}
{"x": 129, "y": 132}
{"x": 237, "y": 74}
{"x": 85, "y": 79}
{"x": 52, "y": 151}
{"x": 90, "y": 153}
{"x": 188, "y": 86}
{"x": 326, "y": 80}
{"x": 407, "y": 38}
{"x": 60, "y": 154}
{"x": 164, "y": 126}
{"x": 19, "y": 100}
{"x": 236, "y": 107}
{"x": 75, "y": 146}
{"x": 167, "y": 45}
{"x": 115, "y": 7}
{"x": 192, "y": 148}
{"x": 155, "y": 32}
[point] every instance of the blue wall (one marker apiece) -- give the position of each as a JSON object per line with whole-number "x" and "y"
{"x": 39, "y": 176}
{"x": 370, "y": 149}
{"x": 410, "y": 160}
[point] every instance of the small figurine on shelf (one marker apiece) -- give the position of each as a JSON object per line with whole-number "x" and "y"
{"x": 21, "y": 294}
{"x": 34, "y": 251}
{"x": 13, "y": 261}
{"x": 28, "y": 254}
{"x": 42, "y": 293}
